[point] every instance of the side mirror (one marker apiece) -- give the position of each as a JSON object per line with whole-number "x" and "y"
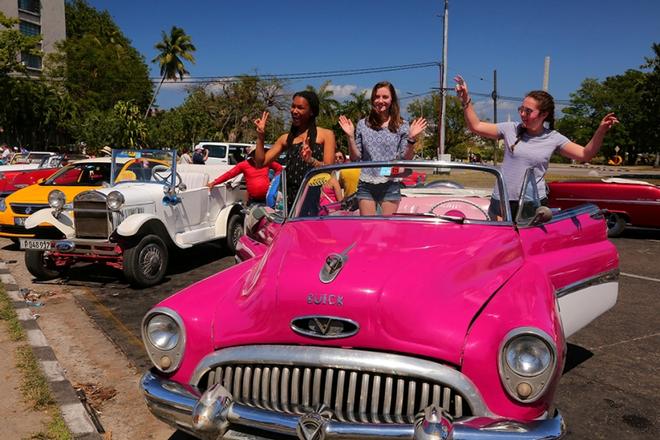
{"x": 542, "y": 215}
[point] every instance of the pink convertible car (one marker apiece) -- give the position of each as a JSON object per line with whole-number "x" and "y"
{"x": 436, "y": 322}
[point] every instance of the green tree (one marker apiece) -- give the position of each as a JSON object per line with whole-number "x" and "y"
{"x": 650, "y": 102}
{"x": 129, "y": 128}
{"x": 97, "y": 64}
{"x": 173, "y": 50}
{"x": 221, "y": 111}
{"x": 12, "y": 44}
{"x": 620, "y": 94}
{"x": 458, "y": 140}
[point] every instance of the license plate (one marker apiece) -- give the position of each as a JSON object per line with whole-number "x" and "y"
{"x": 35, "y": 244}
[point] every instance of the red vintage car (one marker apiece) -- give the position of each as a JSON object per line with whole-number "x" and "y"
{"x": 15, "y": 178}
{"x": 627, "y": 201}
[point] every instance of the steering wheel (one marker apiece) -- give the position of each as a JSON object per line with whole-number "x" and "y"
{"x": 163, "y": 173}
{"x": 474, "y": 205}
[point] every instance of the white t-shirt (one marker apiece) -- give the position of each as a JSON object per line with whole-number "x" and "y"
{"x": 531, "y": 151}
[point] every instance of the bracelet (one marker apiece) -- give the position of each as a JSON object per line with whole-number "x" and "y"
{"x": 469, "y": 101}
{"x": 411, "y": 140}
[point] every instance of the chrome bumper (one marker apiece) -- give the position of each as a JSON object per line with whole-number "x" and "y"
{"x": 209, "y": 416}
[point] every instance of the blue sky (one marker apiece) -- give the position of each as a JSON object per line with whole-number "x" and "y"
{"x": 583, "y": 38}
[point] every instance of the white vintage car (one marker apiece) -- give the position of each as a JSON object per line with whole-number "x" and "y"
{"x": 152, "y": 205}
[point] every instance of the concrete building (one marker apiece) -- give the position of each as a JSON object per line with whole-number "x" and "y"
{"x": 45, "y": 17}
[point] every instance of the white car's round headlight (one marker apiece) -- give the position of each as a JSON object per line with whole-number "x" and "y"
{"x": 115, "y": 201}
{"x": 56, "y": 199}
{"x": 163, "y": 332}
{"x": 528, "y": 355}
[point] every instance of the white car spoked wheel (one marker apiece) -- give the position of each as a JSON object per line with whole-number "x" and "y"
{"x": 615, "y": 225}
{"x": 41, "y": 266}
{"x": 234, "y": 232}
{"x": 146, "y": 262}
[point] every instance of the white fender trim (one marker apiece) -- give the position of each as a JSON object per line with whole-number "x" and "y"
{"x": 221, "y": 221}
{"x": 63, "y": 221}
{"x": 133, "y": 223}
{"x": 580, "y": 307}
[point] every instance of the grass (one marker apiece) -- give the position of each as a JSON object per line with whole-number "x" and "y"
{"x": 34, "y": 386}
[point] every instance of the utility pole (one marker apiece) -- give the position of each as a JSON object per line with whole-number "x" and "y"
{"x": 494, "y": 96}
{"x": 443, "y": 84}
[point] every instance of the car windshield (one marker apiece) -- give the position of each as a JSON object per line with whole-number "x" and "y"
{"x": 81, "y": 174}
{"x": 417, "y": 190}
{"x": 148, "y": 166}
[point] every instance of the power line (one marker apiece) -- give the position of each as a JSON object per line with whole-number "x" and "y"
{"x": 307, "y": 75}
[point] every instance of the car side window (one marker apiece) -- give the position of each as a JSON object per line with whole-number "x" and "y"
{"x": 529, "y": 199}
{"x": 219, "y": 151}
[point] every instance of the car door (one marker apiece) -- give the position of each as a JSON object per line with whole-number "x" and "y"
{"x": 572, "y": 247}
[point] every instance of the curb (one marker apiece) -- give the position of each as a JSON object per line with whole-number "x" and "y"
{"x": 73, "y": 412}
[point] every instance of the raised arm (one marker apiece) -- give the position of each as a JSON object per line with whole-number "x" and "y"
{"x": 349, "y": 129}
{"x": 233, "y": 172}
{"x": 261, "y": 156}
{"x": 474, "y": 124}
{"x": 416, "y": 127}
{"x": 585, "y": 154}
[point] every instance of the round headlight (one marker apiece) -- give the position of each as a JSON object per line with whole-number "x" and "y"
{"x": 56, "y": 199}
{"x": 3, "y": 205}
{"x": 528, "y": 355}
{"x": 163, "y": 332}
{"x": 115, "y": 201}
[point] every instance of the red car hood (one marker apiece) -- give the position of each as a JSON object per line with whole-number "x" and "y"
{"x": 410, "y": 286}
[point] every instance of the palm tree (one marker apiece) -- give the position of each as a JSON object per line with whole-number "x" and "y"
{"x": 328, "y": 105}
{"x": 358, "y": 107}
{"x": 174, "y": 48}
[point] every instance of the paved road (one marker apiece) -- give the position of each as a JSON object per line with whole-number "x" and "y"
{"x": 610, "y": 386}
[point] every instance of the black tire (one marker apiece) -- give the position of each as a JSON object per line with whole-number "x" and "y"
{"x": 40, "y": 266}
{"x": 234, "y": 232}
{"x": 145, "y": 263}
{"x": 615, "y": 225}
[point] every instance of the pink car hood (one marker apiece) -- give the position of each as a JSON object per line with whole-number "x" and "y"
{"x": 411, "y": 286}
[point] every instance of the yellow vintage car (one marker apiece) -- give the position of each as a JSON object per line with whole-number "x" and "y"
{"x": 73, "y": 179}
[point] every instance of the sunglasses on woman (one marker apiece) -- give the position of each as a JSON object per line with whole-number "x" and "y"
{"x": 525, "y": 110}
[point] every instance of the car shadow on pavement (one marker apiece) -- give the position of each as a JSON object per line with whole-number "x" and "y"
{"x": 641, "y": 233}
{"x": 575, "y": 355}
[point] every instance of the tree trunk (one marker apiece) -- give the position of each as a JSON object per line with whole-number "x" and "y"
{"x": 153, "y": 98}
{"x": 657, "y": 160}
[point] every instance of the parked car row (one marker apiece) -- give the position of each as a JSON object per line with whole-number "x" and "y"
{"x": 128, "y": 211}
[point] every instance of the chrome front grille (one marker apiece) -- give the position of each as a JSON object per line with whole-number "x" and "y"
{"x": 91, "y": 219}
{"x": 352, "y": 394}
{"x": 27, "y": 208}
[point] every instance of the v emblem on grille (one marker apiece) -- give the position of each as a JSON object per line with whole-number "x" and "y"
{"x": 323, "y": 324}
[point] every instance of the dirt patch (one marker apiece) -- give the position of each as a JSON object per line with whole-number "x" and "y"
{"x": 88, "y": 357}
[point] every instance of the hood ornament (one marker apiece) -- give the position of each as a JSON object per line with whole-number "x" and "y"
{"x": 324, "y": 327}
{"x": 333, "y": 265}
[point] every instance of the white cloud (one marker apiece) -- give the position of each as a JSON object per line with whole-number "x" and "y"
{"x": 342, "y": 91}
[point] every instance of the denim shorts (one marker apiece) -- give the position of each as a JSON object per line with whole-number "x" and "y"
{"x": 379, "y": 192}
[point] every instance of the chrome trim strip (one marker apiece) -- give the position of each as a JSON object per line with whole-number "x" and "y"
{"x": 173, "y": 404}
{"x": 573, "y": 212}
{"x": 360, "y": 360}
{"x": 606, "y": 277}
{"x": 623, "y": 202}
